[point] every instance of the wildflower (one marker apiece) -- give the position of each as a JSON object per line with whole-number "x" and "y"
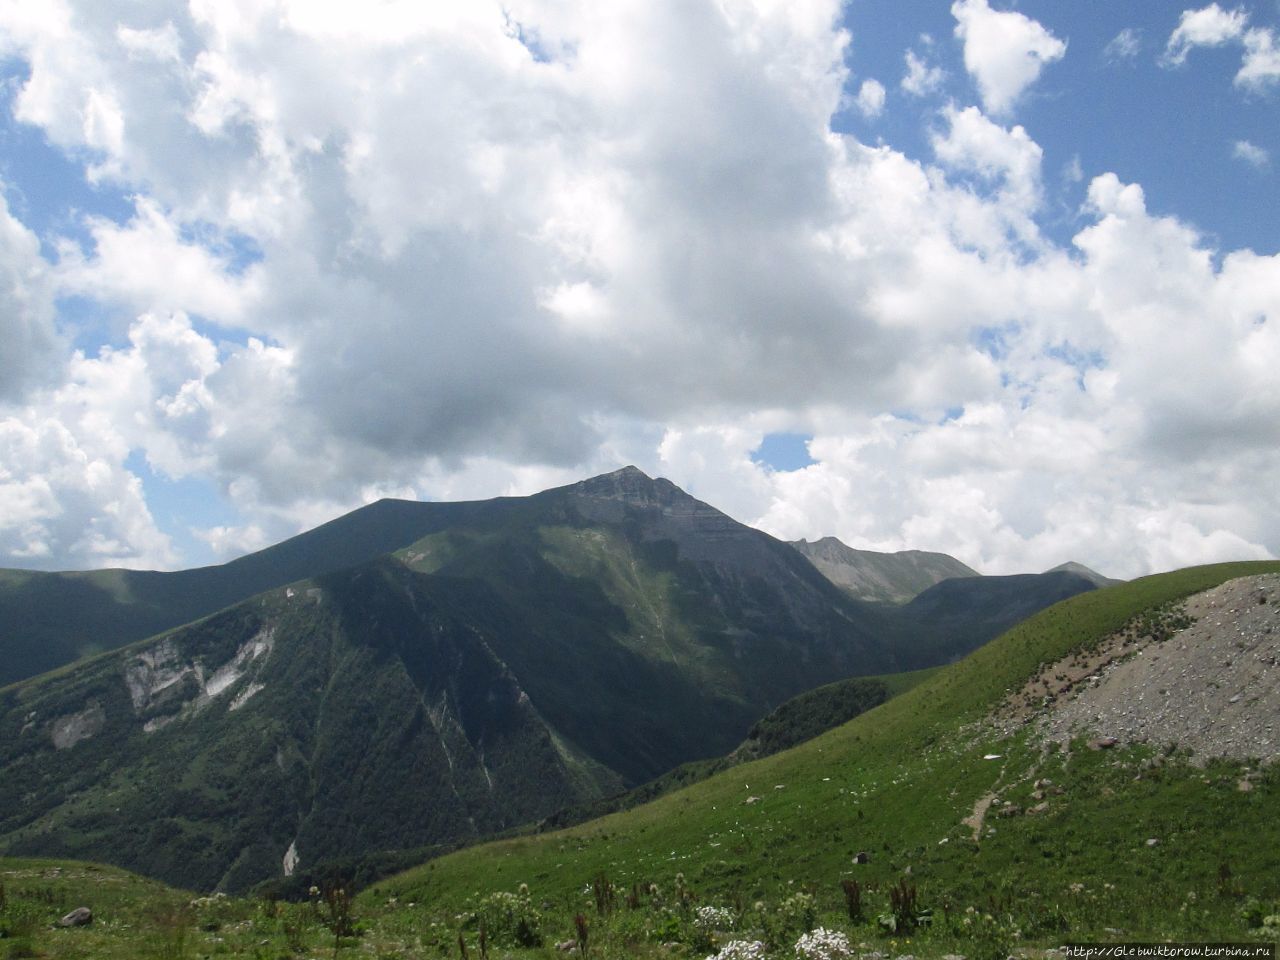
{"x": 740, "y": 950}
{"x": 823, "y": 944}
{"x": 710, "y": 918}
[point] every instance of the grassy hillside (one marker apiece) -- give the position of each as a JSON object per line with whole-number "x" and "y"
{"x": 708, "y": 865}
{"x": 799, "y": 719}
{"x": 896, "y": 784}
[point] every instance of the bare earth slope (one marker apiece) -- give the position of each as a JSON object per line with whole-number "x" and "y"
{"x": 1212, "y": 687}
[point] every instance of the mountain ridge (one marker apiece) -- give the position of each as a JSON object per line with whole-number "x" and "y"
{"x": 882, "y": 577}
{"x": 520, "y": 656}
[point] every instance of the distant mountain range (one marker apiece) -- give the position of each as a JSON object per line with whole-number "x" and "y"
{"x": 886, "y": 577}
{"x": 419, "y": 673}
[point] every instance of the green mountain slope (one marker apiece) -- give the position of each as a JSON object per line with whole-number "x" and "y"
{"x": 959, "y": 614}
{"x": 50, "y": 619}
{"x": 513, "y": 658}
{"x": 883, "y": 577}
{"x": 534, "y": 654}
{"x": 1140, "y": 843}
{"x": 362, "y": 711}
{"x": 1098, "y": 579}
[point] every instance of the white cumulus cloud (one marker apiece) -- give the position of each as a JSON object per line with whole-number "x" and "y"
{"x": 27, "y": 327}
{"x": 1260, "y": 68}
{"x": 476, "y": 249}
{"x": 1210, "y": 26}
{"x": 921, "y": 79}
{"x": 870, "y": 99}
{"x": 1251, "y": 154}
{"x": 1004, "y": 51}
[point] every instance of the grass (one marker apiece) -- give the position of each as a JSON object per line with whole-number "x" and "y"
{"x": 897, "y": 782}
{"x": 770, "y": 848}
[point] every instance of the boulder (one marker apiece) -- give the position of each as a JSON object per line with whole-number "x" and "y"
{"x": 79, "y": 917}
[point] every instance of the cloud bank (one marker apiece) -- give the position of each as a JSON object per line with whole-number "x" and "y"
{"x": 465, "y": 250}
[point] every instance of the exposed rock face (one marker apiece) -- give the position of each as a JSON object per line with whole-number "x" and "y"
{"x": 163, "y": 684}
{"x": 66, "y": 732}
{"x": 291, "y": 858}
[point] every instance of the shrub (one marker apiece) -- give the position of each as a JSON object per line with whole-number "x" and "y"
{"x": 508, "y": 919}
{"x": 904, "y": 913}
{"x": 798, "y": 912}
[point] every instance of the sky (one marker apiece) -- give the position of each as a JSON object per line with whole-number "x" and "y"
{"x": 994, "y": 278}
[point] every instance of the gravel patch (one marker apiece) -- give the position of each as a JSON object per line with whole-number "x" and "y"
{"x": 1213, "y": 687}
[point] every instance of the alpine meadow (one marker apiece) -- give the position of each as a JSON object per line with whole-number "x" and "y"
{"x": 654, "y": 480}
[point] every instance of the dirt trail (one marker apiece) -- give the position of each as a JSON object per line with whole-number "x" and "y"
{"x": 976, "y": 819}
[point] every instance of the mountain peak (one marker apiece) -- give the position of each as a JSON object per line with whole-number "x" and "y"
{"x": 629, "y": 483}
{"x": 1080, "y": 570}
{"x": 628, "y": 473}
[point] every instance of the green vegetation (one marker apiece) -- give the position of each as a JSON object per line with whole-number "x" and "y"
{"x": 799, "y": 719}
{"x": 897, "y": 782}
{"x": 854, "y": 837}
{"x": 516, "y": 658}
{"x": 48, "y": 620}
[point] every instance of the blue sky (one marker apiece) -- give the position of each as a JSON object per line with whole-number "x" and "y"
{"x": 1106, "y": 106}
{"x": 994, "y": 278}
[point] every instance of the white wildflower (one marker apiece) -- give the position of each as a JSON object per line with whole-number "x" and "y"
{"x": 714, "y": 918}
{"x": 823, "y": 944}
{"x": 740, "y": 950}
